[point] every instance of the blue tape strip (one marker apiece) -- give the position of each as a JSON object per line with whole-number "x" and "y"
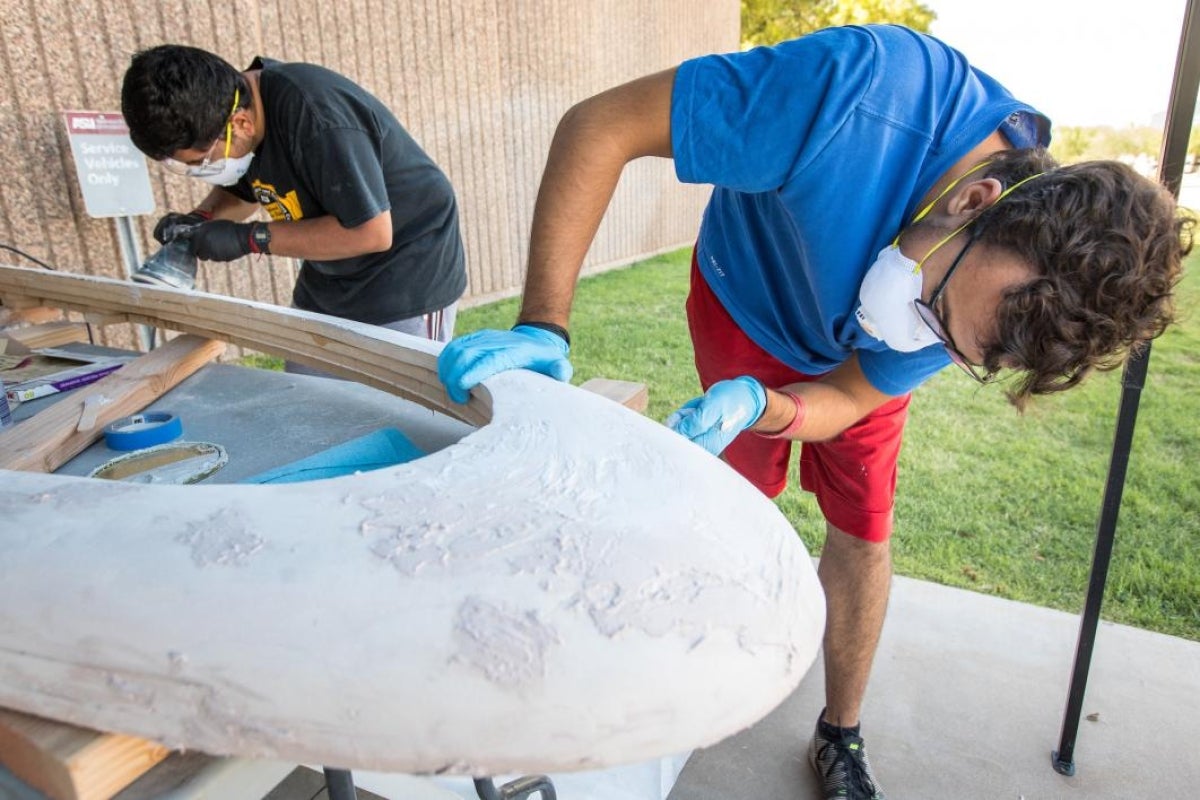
{"x": 143, "y": 430}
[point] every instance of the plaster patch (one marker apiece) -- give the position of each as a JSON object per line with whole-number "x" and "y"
{"x": 240, "y": 725}
{"x": 651, "y": 605}
{"x": 12, "y": 503}
{"x": 130, "y": 691}
{"x": 70, "y": 497}
{"x": 563, "y": 553}
{"x": 508, "y": 647}
{"x": 404, "y": 537}
{"x": 224, "y": 539}
{"x": 176, "y": 662}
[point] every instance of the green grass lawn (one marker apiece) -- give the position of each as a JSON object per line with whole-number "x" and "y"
{"x": 989, "y": 499}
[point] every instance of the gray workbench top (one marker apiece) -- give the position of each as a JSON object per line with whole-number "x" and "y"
{"x": 265, "y": 418}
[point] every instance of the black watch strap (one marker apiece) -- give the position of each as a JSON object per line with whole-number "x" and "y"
{"x": 558, "y": 330}
{"x": 260, "y": 237}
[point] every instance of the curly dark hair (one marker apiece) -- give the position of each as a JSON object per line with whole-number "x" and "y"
{"x": 1107, "y": 245}
{"x": 175, "y": 97}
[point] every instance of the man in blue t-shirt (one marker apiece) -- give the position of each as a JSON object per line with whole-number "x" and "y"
{"x": 880, "y": 209}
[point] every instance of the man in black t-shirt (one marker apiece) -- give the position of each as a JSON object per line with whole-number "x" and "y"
{"x": 348, "y": 191}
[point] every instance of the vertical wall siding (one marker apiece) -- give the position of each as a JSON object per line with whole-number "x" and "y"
{"x": 480, "y": 84}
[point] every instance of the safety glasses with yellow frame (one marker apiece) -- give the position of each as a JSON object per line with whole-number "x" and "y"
{"x": 207, "y": 165}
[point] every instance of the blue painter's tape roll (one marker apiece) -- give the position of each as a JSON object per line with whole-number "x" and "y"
{"x": 143, "y": 430}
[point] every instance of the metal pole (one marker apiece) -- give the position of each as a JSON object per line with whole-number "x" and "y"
{"x": 1180, "y": 109}
{"x": 131, "y": 255}
{"x": 1132, "y": 382}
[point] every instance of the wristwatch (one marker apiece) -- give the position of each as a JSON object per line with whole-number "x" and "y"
{"x": 260, "y": 237}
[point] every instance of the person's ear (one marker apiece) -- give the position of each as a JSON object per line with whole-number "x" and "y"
{"x": 243, "y": 123}
{"x": 974, "y": 197}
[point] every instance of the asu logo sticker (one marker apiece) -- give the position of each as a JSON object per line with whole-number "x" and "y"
{"x": 282, "y": 208}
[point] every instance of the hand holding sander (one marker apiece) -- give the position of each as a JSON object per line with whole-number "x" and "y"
{"x": 175, "y": 262}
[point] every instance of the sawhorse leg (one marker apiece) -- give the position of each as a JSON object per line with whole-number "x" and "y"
{"x": 340, "y": 784}
{"x": 519, "y": 789}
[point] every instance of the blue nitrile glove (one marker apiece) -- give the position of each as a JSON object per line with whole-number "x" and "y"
{"x": 714, "y": 419}
{"x": 475, "y": 357}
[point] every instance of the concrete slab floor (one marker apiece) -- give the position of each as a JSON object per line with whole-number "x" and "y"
{"x": 966, "y": 701}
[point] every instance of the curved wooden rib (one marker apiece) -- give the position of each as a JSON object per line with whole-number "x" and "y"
{"x": 348, "y": 349}
{"x": 570, "y": 586}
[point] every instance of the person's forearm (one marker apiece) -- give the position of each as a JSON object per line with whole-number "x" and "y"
{"x": 577, "y": 185}
{"x": 593, "y": 143}
{"x": 220, "y": 204}
{"x": 324, "y": 238}
{"x": 827, "y": 412}
{"x": 829, "y": 406}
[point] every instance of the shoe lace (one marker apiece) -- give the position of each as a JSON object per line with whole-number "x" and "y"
{"x": 848, "y": 753}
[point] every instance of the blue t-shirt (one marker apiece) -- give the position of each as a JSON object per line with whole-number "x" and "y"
{"x": 819, "y": 150}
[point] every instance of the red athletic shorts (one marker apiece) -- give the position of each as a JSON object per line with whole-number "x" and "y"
{"x": 853, "y": 475}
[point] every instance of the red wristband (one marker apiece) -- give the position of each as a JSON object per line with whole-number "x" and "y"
{"x": 793, "y": 427}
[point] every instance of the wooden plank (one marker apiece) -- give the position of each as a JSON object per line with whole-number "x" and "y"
{"x": 49, "y": 439}
{"x": 340, "y": 347}
{"x": 629, "y": 394}
{"x": 103, "y": 320}
{"x": 69, "y": 763}
{"x": 49, "y": 334}
{"x": 21, "y": 311}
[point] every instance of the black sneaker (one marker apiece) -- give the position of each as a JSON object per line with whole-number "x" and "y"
{"x": 840, "y": 760}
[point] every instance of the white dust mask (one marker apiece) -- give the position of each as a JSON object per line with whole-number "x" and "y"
{"x": 230, "y": 171}
{"x": 886, "y": 298}
{"x": 227, "y": 171}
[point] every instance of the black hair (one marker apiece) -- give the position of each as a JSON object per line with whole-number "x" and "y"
{"x": 176, "y": 97}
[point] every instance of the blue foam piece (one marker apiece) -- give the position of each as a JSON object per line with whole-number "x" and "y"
{"x": 383, "y": 448}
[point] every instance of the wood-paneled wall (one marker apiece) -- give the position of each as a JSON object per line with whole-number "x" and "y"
{"x": 481, "y": 84}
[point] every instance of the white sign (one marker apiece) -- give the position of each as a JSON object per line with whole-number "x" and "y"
{"x": 112, "y": 172}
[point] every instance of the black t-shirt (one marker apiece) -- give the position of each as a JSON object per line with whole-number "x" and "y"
{"x": 333, "y": 148}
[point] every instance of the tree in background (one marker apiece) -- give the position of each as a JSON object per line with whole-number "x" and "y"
{"x": 771, "y": 21}
{"x": 1138, "y": 146}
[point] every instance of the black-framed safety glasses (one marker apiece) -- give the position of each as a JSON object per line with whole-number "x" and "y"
{"x": 941, "y": 330}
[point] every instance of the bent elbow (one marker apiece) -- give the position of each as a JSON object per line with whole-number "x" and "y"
{"x": 383, "y": 240}
{"x": 375, "y": 236}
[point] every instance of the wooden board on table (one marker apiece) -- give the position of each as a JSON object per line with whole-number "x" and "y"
{"x": 52, "y": 437}
{"x": 48, "y": 334}
{"x": 65, "y": 762}
{"x": 628, "y": 393}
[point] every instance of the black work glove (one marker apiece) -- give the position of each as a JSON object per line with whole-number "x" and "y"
{"x": 171, "y": 224}
{"x": 223, "y": 240}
